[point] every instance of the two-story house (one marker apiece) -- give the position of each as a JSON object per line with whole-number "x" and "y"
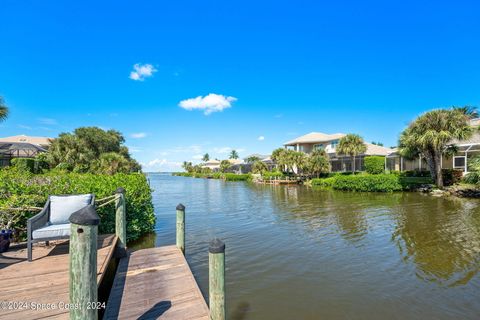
{"x": 317, "y": 140}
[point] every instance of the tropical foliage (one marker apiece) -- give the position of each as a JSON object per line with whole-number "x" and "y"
{"x": 225, "y": 165}
{"x": 431, "y": 133}
{"x": 252, "y": 159}
{"x": 3, "y": 109}
{"x": 259, "y": 167}
{"x": 318, "y": 163}
{"x": 91, "y": 150}
{"x": 233, "y": 154}
{"x": 206, "y": 157}
{"x": 371, "y": 183}
{"x": 20, "y": 188}
{"x": 374, "y": 164}
{"x": 351, "y": 145}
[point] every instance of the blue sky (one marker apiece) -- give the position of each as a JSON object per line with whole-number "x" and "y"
{"x": 276, "y": 69}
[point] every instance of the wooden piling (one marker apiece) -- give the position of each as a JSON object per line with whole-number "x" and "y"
{"x": 121, "y": 220}
{"x": 216, "y": 279}
{"x": 83, "y": 264}
{"x": 181, "y": 227}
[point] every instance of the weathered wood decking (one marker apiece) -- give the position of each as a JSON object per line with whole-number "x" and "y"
{"x": 45, "y": 279}
{"x": 155, "y": 283}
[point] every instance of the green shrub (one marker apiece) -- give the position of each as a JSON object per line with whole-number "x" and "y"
{"x": 472, "y": 178}
{"x": 374, "y": 164}
{"x": 367, "y": 182}
{"x": 236, "y": 177}
{"x": 451, "y": 176}
{"x": 21, "y": 189}
{"x": 272, "y": 174}
{"x": 24, "y": 164}
{"x": 415, "y": 173}
{"x": 323, "y": 182}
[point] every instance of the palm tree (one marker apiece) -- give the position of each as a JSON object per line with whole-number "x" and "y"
{"x": 233, "y": 154}
{"x": 206, "y": 157}
{"x": 469, "y": 111}
{"x": 432, "y": 133}
{"x": 252, "y": 159}
{"x": 352, "y": 145}
{"x": 318, "y": 162}
{"x": 225, "y": 165}
{"x": 3, "y": 109}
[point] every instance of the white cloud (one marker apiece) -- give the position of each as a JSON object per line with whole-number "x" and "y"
{"x": 210, "y": 103}
{"x": 22, "y": 126}
{"x": 196, "y": 149}
{"x": 197, "y": 157}
{"x": 161, "y": 165}
{"x": 47, "y": 121}
{"x": 138, "y": 135}
{"x": 261, "y": 138}
{"x": 222, "y": 150}
{"x": 142, "y": 71}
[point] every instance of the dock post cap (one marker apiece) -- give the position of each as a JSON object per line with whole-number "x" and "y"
{"x": 120, "y": 190}
{"x": 180, "y": 207}
{"x": 87, "y": 216}
{"x": 216, "y": 246}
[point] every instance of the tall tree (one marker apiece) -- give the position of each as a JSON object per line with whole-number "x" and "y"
{"x": 206, "y": 157}
{"x": 259, "y": 167}
{"x": 252, "y": 159}
{"x": 90, "y": 149}
{"x": 318, "y": 162}
{"x": 187, "y": 166}
{"x": 3, "y": 109}
{"x": 431, "y": 134}
{"x": 233, "y": 154}
{"x": 352, "y": 145}
{"x": 225, "y": 165}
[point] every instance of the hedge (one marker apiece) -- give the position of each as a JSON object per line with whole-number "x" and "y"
{"x": 24, "y": 189}
{"x": 215, "y": 175}
{"x": 374, "y": 164}
{"x": 371, "y": 183}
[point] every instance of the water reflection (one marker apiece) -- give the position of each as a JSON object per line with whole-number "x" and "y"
{"x": 299, "y": 253}
{"x": 441, "y": 237}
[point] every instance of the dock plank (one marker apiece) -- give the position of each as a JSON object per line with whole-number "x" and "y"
{"x": 45, "y": 279}
{"x": 155, "y": 283}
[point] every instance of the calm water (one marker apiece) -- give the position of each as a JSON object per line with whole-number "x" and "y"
{"x": 297, "y": 253}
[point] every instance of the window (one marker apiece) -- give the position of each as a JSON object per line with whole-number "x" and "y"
{"x": 319, "y": 146}
{"x": 459, "y": 162}
{"x": 334, "y": 143}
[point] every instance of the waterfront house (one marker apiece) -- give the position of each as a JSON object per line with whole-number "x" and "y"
{"x": 329, "y": 142}
{"x": 213, "y": 165}
{"x": 21, "y": 146}
{"x": 466, "y": 150}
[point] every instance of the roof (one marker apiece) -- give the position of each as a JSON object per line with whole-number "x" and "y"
{"x": 211, "y": 162}
{"x": 475, "y": 122}
{"x": 235, "y": 161}
{"x": 257, "y": 155}
{"x": 315, "y": 137}
{"x": 39, "y": 141}
{"x": 375, "y": 150}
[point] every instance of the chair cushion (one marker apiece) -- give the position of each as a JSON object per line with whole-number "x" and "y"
{"x": 52, "y": 231}
{"x": 62, "y": 207}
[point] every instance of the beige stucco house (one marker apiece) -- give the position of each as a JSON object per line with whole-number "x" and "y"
{"x": 311, "y": 141}
{"x": 467, "y": 149}
{"x": 21, "y": 146}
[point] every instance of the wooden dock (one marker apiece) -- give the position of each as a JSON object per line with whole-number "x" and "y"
{"x": 45, "y": 279}
{"x": 155, "y": 283}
